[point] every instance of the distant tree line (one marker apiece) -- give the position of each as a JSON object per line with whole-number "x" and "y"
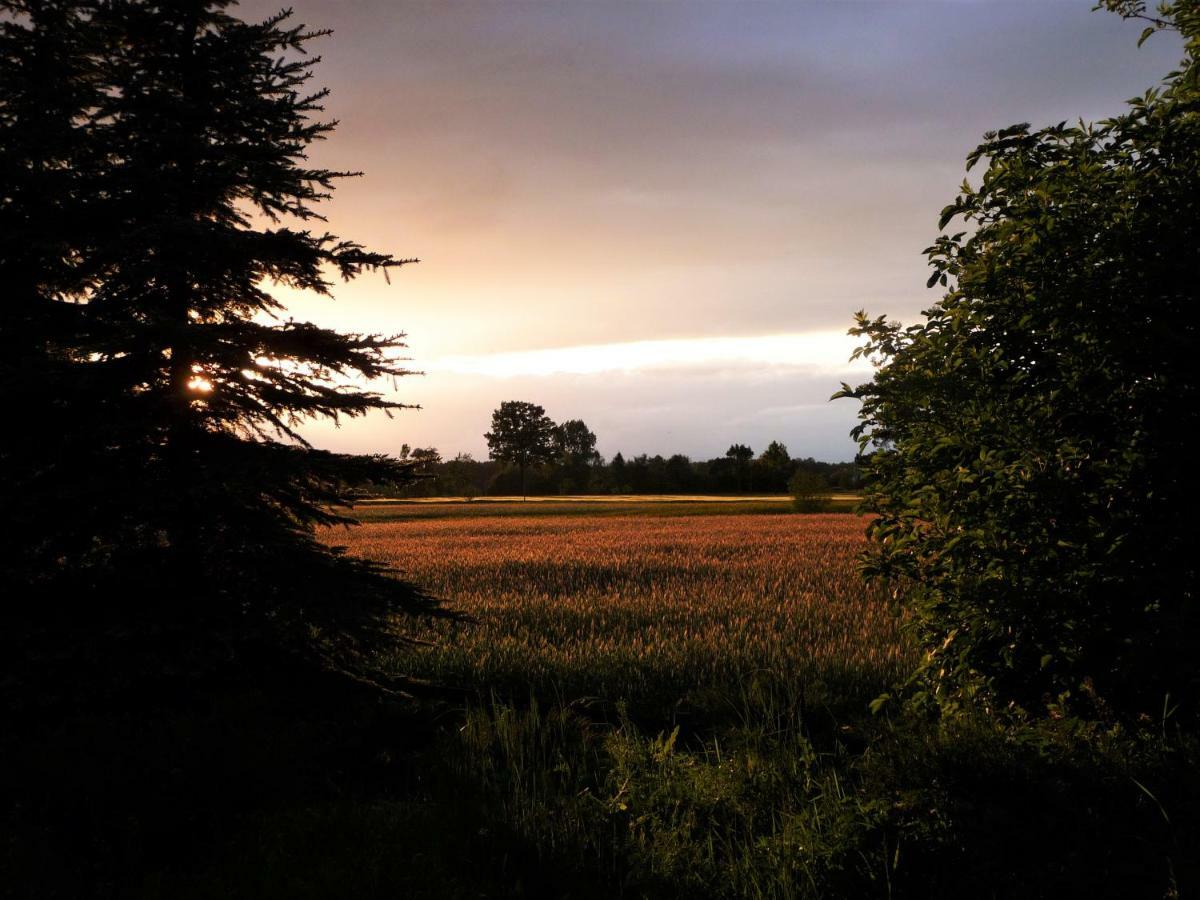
{"x": 531, "y": 454}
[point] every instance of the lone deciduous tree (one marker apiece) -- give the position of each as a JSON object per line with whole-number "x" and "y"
{"x": 156, "y": 171}
{"x": 521, "y": 434}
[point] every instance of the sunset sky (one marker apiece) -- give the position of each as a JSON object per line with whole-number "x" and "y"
{"x": 661, "y": 217}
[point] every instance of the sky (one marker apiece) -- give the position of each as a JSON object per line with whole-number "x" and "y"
{"x": 660, "y": 217}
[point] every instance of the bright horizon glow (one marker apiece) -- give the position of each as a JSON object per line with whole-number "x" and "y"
{"x": 817, "y": 351}
{"x": 659, "y": 217}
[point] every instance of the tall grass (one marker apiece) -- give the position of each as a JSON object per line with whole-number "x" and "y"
{"x": 670, "y": 706}
{"x": 653, "y": 699}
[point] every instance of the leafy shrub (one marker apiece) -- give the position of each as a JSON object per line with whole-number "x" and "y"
{"x": 1027, "y": 449}
{"x": 809, "y": 490}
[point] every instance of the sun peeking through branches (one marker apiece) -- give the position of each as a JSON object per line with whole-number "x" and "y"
{"x": 165, "y": 151}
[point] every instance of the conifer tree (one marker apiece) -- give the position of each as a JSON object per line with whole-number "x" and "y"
{"x": 47, "y": 85}
{"x": 158, "y": 160}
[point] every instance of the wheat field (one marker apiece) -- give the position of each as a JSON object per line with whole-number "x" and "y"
{"x": 640, "y": 606}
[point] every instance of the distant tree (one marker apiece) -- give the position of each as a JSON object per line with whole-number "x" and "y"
{"x": 773, "y": 467}
{"x": 458, "y": 476}
{"x": 425, "y": 458}
{"x": 740, "y": 452}
{"x": 653, "y": 473}
{"x": 425, "y": 462}
{"x": 522, "y": 434}
{"x": 618, "y": 473}
{"x": 1028, "y": 447}
{"x": 637, "y": 474}
{"x": 722, "y": 474}
{"x": 155, "y": 170}
{"x": 809, "y": 490}
{"x": 680, "y": 477}
{"x": 703, "y": 478}
{"x": 776, "y": 455}
{"x": 741, "y": 455}
{"x": 575, "y": 450}
{"x": 575, "y": 442}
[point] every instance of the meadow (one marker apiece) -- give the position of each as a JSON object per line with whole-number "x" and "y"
{"x": 654, "y": 698}
{"x": 660, "y": 604}
{"x": 644, "y": 699}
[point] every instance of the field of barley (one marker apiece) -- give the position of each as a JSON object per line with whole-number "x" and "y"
{"x": 660, "y": 606}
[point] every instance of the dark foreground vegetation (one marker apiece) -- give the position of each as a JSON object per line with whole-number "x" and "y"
{"x": 612, "y": 741}
{"x": 203, "y": 696}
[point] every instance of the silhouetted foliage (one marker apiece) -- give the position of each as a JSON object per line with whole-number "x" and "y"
{"x": 680, "y": 474}
{"x": 617, "y": 474}
{"x": 741, "y": 455}
{"x": 809, "y": 490}
{"x": 575, "y": 442}
{"x": 770, "y": 471}
{"x": 521, "y": 434}
{"x": 575, "y": 449}
{"x": 1028, "y": 443}
{"x": 155, "y": 173}
{"x": 641, "y": 474}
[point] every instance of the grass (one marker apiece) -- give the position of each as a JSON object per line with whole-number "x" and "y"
{"x": 670, "y": 698}
{"x": 653, "y": 693}
{"x": 653, "y": 700}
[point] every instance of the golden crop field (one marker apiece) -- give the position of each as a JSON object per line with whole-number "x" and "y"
{"x": 641, "y": 606}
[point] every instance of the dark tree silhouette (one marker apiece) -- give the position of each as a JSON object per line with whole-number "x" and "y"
{"x": 575, "y": 449}
{"x": 154, "y": 157}
{"x": 741, "y": 455}
{"x": 809, "y": 490}
{"x": 1028, "y": 446}
{"x": 521, "y": 434}
{"x": 772, "y": 468}
{"x": 680, "y": 476}
{"x": 425, "y": 458}
{"x": 47, "y": 84}
{"x": 776, "y": 455}
{"x": 575, "y": 442}
{"x": 618, "y": 474}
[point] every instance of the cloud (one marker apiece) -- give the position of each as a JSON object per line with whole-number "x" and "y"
{"x": 681, "y": 195}
{"x": 696, "y": 406}
{"x": 825, "y": 351}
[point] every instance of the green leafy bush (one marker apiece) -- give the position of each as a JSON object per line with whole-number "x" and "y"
{"x": 1028, "y": 444}
{"x": 809, "y": 490}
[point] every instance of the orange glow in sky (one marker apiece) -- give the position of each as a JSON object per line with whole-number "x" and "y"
{"x": 661, "y": 217}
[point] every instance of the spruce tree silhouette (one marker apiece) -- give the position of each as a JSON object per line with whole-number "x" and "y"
{"x": 156, "y": 482}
